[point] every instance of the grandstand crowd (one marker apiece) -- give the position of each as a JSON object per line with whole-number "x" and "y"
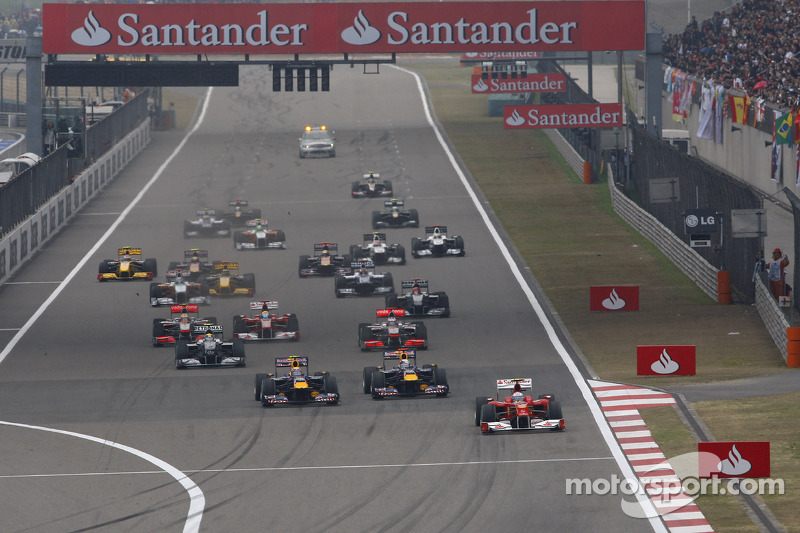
{"x": 754, "y": 47}
{"x": 21, "y": 23}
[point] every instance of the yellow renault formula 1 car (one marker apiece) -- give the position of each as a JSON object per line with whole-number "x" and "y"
{"x": 129, "y": 265}
{"x": 226, "y": 282}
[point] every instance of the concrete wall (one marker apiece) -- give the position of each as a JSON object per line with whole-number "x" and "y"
{"x": 20, "y": 245}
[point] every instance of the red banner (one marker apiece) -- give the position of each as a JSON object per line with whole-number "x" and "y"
{"x": 614, "y": 298}
{"x": 562, "y": 116}
{"x": 533, "y": 83}
{"x": 734, "y": 459}
{"x": 328, "y": 28}
{"x": 661, "y": 360}
{"x": 499, "y": 56}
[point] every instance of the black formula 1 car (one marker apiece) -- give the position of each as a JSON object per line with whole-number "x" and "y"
{"x": 187, "y": 326}
{"x": 128, "y": 265}
{"x": 239, "y": 213}
{"x": 378, "y": 250}
{"x": 325, "y": 261}
{"x": 437, "y": 243}
{"x": 266, "y": 326}
{"x": 226, "y": 282}
{"x": 179, "y": 290}
{"x": 392, "y": 333}
{"x": 209, "y": 350}
{"x": 296, "y": 386}
{"x": 195, "y": 265}
{"x": 364, "y": 281}
{"x": 400, "y": 376}
{"x": 415, "y": 299}
{"x": 517, "y": 412}
{"x": 394, "y": 217}
{"x": 207, "y": 224}
{"x": 258, "y": 236}
{"x": 371, "y": 186}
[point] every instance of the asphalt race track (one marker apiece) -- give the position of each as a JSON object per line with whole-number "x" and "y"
{"x": 98, "y": 428}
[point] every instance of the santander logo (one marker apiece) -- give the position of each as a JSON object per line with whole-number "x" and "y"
{"x": 91, "y": 34}
{"x": 613, "y": 302}
{"x": 480, "y": 86}
{"x": 735, "y": 464}
{"x": 361, "y": 33}
{"x": 665, "y": 364}
{"x": 515, "y": 119}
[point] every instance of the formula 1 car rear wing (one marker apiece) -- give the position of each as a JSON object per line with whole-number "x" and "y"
{"x": 368, "y": 175}
{"x": 367, "y": 263}
{"x": 333, "y": 248}
{"x": 369, "y": 237}
{"x": 432, "y": 229}
{"x": 172, "y": 274}
{"x": 397, "y": 355}
{"x": 238, "y": 203}
{"x": 195, "y": 252}
{"x": 221, "y": 265}
{"x": 216, "y": 329}
{"x": 514, "y": 384}
{"x": 175, "y": 309}
{"x": 409, "y": 283}
{"x": 256, "y": 222}
{"x": 127, "y": 250}
{"x": 294, "y": 361}
{"x": 270, "y": 304}
{"x": 383, "y": 313}
{"x": 205, "y": 212}
{"x": 393, "y": 202}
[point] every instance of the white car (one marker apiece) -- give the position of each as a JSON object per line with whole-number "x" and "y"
{"x": 317, "y": 141}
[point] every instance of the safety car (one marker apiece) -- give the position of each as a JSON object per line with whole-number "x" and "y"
{"x": 187, "y": 325}
{"x": 128, "y": 265}
{"x": 179, "y": 289}
{"x": 207, "y": 224}
{"x": 209, "y": 350}
{"x": 226, "y": 282}
{"x": 400, "y": 376}
{"x": 517, "y": 411}
{"x": 392, "y": 332}
{"x": 395, "y": 217}
{"x": 195, "y": 264}
{"x": 239, "y": 212}
{"x": 259, "y": 236}
{"x": 325, "y": 261}
{"x": 364, "y": 281}
{"x": 378, "y": 250}
{"x": 317, "y": 140}
{"x": 371, "y": 186}
{"x": 416, "y": 300}
{"x": 266, "y": 325}
{"x": 296, "y": 386}
{"x": 437, "y": 243}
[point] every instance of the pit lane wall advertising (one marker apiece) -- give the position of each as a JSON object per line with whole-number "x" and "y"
{"x": 327, "y": 28}
{"x": 20, "y": 245}
{"x": 562, "y": 116}
{"x": 532, "y": 83}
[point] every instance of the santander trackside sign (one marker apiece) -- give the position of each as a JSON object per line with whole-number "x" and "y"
{"x": 383, "y": 27}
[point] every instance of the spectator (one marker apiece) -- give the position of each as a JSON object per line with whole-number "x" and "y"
{"x": 776, "y": 270}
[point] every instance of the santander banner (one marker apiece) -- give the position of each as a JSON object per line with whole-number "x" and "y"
{"x": 533, "y": 83}
{"x": 328, "y": 28}
{"x": 661, "y": 360}
{"x": 734, "y": 459}
{"x": 614, "y": 298}
{"x": 562, "y": 116}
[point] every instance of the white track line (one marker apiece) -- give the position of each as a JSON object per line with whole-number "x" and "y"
{"x": 586, "y": 392}
{"x": 197, "y": 500}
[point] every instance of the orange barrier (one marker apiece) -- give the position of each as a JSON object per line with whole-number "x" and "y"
{"x": 793, "y": 347}
{"x": 476, "y": 70}
{"x": 724, "y": 287}
{"x": 587, "y": 172}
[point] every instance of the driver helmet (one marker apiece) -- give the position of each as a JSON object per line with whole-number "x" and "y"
{"x": 518, "y": 397}
{"x": 265, "y": 314}
{"x": 376, "y": 239}
{"x": 185, "y": 319}
{"x": 126, "y": 257}
{"x": 391, "y": 319}
{"x": 415, "y": 289}
{"x": 296, "y": 373}
{"x": 404, "y": 364}
{"x": 178, "y": 276}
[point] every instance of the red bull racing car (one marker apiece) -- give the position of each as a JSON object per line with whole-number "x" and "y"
{"x": 517, "y": 411}
{"x": 239, "y": 213}
{"x": 400, "y": 376}
{"x": 295, "y": 386}
{"x": 266, "y": 326}
{"x": 325, "y": 261}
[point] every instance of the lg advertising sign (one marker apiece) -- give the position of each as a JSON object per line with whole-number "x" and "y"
{"x": 342, "y": 27}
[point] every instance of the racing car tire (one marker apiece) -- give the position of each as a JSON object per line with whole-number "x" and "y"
{"x": 256, "y": 213}
{"x": 181, "y": 352}
{"x": 460, "y": 246}
{"x": 302, "y": 265}
{"x": 267, "y": 389}
{"x": 103, "y": 268}
{"x": 364, "y": 335}
{"x": 238, "y": 239}
{"x": 387, "y": 187}
{"x": 238, "y": 348}
{"x": 331, "y": 386}
{"x": 280, "y": 236}
{"x": 378, "y": 381}
{"x": 151, "y": 265}
{"x": 293, "y": 324}
{"x": 388, "y": 281}
{"x": 158, "y": 330}
{"x": 355, "y": 251}
{"x": 301, "y": 155}
{"x": 249, "y": 281}
{"x": 257, "y": 385}
{"x": 187, "y": 228}
{"x": 422, "y": 333}
{"x": 332, "y": 153}
{"x": 440, "y": 378}
{"x": 173, "y": 265}
{"x": 226, "y": 226}
{"x": 480, "y": 401}
{"x": 392, "y": 301}
{"x": 444, "y": 301}
{"x": 338, "y": 283}
{"x": 366, "y": 378}
{"x": 155, "y": 291}
{"x": 347, "y": 260}
{"x": 400, "y": 252}
{"x": 554, "y": 410}
{"x": 354, "y": 189}
{"x": 414, "y": 216}
{"x": 416, "y": 246}
{"x": 238, "y": 325}
{"x": 488, "y": 413}
{"x": 550, "y": 396}
{"x": 376, "y": 217}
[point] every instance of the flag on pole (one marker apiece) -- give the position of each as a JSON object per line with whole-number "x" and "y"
{"x": 738, "y": 111}
{"x": 783, "y": 128}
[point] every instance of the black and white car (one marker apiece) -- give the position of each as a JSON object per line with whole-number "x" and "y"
{"x": 378, "y": 250}
{"x": 416, "y": 300}
{"x": 437, "y": 243}
{"x": 210, "y": 350}
{"x": 207, "y": 224}
{"x": 371, "y": 186}
{"x": 364, "y": 281}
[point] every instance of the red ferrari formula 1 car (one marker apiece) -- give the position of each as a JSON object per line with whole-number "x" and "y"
{"x": 517, "y": 412}
{"x": 266, "y": 326}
